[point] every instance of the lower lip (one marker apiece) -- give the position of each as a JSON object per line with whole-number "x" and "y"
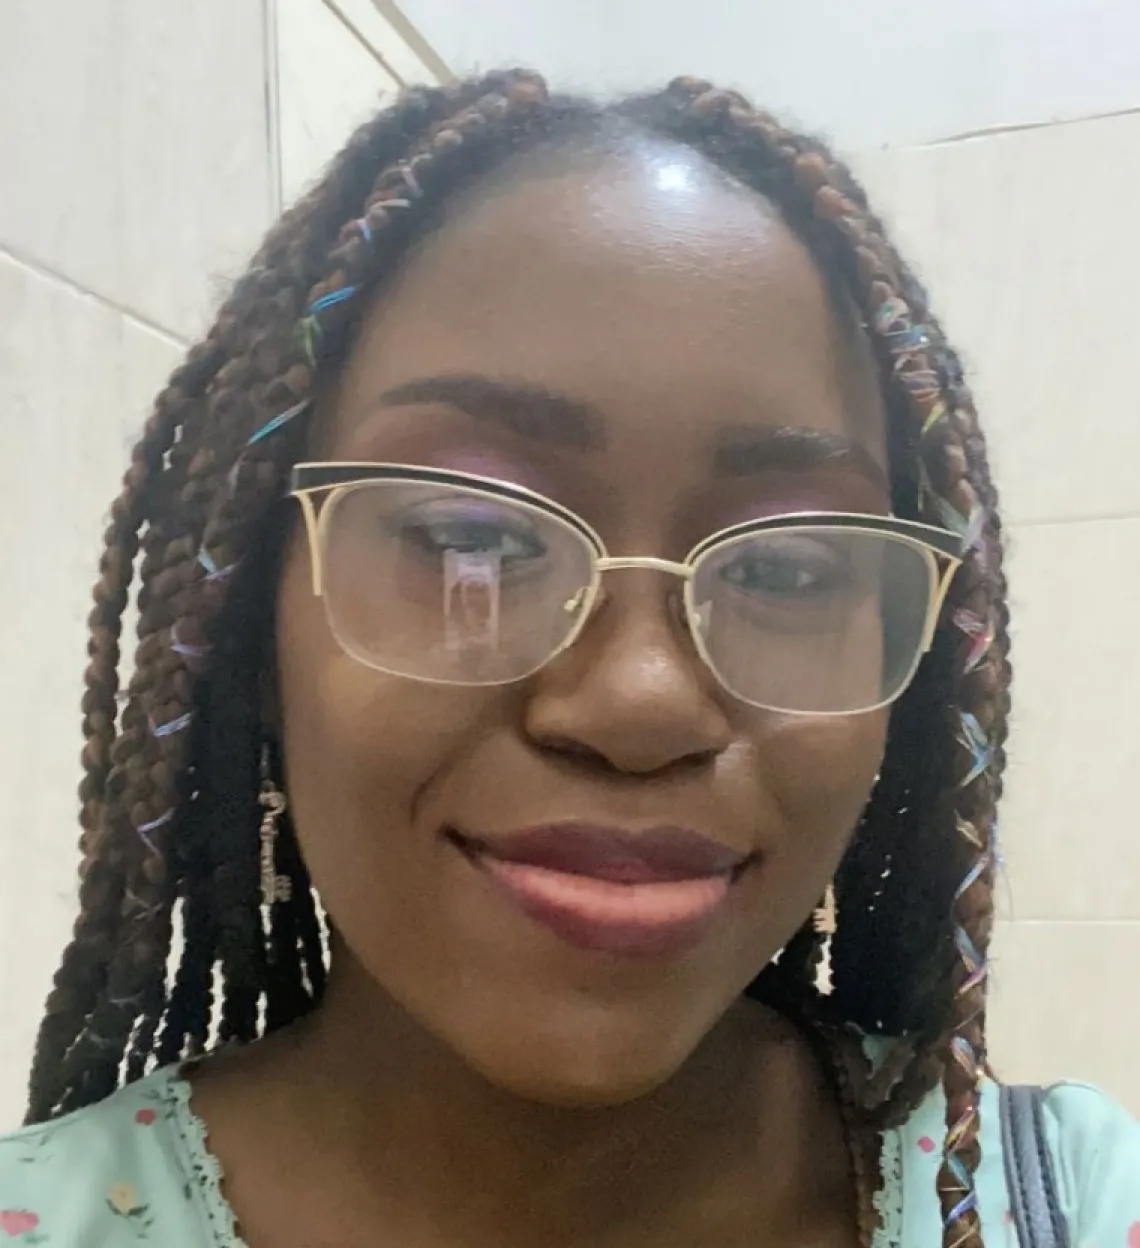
{"x": 637, "y": 920}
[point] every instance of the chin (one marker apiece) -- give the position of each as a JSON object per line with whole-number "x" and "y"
{"x": 594, "y": 1064}
{"x": 575, "y": 1086}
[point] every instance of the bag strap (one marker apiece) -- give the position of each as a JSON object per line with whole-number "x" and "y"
{"x": 1029, "y": 1169}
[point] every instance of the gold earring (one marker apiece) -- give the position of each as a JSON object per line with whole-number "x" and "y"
{"x": 825, "y": 920}
{"x": 274, "y": 887}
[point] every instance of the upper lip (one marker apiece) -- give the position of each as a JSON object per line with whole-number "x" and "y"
{"x": 619, "y": 855}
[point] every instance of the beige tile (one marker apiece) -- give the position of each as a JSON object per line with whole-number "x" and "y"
{"x": 328, "y": 82}
{"x": 1024, "y": 239}
{"x": 76, "y": 380}
{"x": 1064, "y": 1005}
{"x": 1069, "y": 822}
{"x": 136, "y": 146}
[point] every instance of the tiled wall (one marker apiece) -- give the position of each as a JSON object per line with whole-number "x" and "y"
{"x": 144, "y": 147}
{"x": 1027, "y": 240}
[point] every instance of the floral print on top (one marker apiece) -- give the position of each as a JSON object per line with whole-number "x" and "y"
{"x": 135, "y": 1170}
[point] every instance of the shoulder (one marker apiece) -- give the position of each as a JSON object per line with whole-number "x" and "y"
{"x": 1095, "y": 1146}
{"x": 110, "y": 1174}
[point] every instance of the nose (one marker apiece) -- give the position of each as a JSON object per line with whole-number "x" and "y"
{"x": 631, "y": 693}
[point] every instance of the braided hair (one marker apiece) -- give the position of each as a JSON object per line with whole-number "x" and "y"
{"x": 169, "y": 796}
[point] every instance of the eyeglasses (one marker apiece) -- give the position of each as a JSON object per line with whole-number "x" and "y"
{"x": 456, "y": 579}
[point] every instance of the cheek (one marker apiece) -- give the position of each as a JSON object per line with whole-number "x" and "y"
{"x": 361, "y": 747}
{"x": 819, "y": 774}
{"x": 824, "y": 762}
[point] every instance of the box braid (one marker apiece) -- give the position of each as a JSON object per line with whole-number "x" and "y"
{"x": 169, "y": 808}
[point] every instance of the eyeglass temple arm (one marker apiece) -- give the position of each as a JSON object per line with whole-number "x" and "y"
{"x": 938, "y": 601}
{"x": 313, "y": 528}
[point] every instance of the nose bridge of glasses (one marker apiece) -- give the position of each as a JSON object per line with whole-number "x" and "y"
{"x": 645, "y": 563}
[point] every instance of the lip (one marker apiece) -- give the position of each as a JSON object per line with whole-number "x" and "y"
{"x": 611, "y": 890}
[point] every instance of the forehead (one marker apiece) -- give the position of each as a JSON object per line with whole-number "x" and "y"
{"x": 649, "y": 285}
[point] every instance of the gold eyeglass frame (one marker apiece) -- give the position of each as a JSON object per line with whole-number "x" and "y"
{"x": 333, "y": 481}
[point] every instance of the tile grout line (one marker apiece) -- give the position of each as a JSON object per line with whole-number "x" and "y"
{"x": 272, "y": 54}
{"x": 1000, "y": 129}
{"x": 420, "y": 45}
{"x": 365, "y": 43}
{"x": 61, "y": 279}
{"x": 1103, "y": 518}
{"x": 982, "y": 133}
{"x": 1000, "y": 920}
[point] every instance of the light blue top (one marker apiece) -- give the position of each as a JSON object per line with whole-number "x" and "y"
{"x": 135, "y": 1169}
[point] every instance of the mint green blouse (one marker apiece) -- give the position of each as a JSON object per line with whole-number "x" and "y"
{"x": 136, "y": 1169}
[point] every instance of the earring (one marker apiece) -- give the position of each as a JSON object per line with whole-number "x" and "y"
{"x": 274, "y": 887}
{"x": 825, "y": 920}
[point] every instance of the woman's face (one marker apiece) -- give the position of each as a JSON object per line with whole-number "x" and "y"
{"x": 638, "y": 330}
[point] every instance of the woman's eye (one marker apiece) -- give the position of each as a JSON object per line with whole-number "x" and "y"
{"x": 511, "y": 543}
{"x": 792, "y": 571}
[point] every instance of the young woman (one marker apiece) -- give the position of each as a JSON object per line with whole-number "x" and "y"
{"x": 572, "y": 557}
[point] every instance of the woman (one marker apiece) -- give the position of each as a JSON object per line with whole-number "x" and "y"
{"x": 572, "y": 554}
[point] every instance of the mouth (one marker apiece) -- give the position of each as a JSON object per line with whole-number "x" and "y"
{"x": 609, "y": 890}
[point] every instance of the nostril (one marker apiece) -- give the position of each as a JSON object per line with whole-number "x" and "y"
{"x": 576, "y": 751}
{"x": 570, "y": 750}
{"x": 698, "y": 760}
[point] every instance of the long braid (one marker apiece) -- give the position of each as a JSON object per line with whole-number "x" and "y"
{"x": 80, "y": 980}
{"x": 170, "y": 792}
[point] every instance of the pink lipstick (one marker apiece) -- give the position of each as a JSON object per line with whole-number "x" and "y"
{"x": 610, "y": 890}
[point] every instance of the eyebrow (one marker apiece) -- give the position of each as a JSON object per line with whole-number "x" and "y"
{"x": 545, "y": 415}
{"x": 522, "y": 407}
{"x": 750, "y": 450}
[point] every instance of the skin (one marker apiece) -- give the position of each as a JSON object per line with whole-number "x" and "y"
{"x": 485, "y": 1079}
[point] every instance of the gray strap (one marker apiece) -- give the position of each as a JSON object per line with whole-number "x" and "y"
{"x": 1029, "y": 1170}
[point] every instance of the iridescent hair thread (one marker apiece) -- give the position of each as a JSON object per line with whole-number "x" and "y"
{"x": 144, "y": 830}
{"x": 267, "y": 430}
{"x": 275, "y": 423}
{"x": 185, "y": 649}
{"x": 177, "y": 724}
{"x": 278, "y": 422}
{"x": 981, "y": 632}
{"x": 213, "y": 572}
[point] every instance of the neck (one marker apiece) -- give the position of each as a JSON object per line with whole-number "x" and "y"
{"x": 399, "y": 1127}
